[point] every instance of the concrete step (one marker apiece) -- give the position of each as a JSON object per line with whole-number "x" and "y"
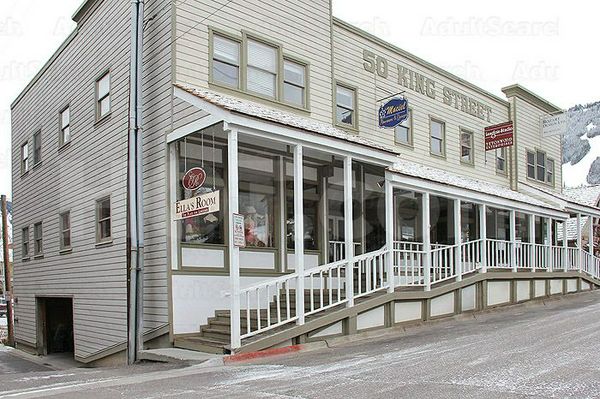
{"x": 216, "y": 334}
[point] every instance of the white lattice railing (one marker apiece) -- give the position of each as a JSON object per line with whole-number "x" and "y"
{"x": 443, "y": 265}
{"x": 471, "y": 255}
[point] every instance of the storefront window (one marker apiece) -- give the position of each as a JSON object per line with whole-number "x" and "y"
{"x": 198, "y": 151}
{"x": 257, "y": 189}
{"x": 311, "y": 207}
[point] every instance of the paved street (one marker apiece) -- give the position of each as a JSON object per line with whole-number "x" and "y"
{"x": 537, "y": 350}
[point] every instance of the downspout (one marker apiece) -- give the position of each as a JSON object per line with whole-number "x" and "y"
{"x": 134, "y": 172}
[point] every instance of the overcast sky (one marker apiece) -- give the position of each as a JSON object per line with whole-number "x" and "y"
{"x": 550, "y": 47}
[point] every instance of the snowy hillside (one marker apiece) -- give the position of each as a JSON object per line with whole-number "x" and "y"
{"x": 581, "y": 146}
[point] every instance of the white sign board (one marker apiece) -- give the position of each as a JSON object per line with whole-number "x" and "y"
{"x": 554, "y": 125}
{"x": 197, "y": 206}
{"x": 239, "y": 238}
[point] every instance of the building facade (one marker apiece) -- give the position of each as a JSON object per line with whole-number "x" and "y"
{"x": 276, "y": 119}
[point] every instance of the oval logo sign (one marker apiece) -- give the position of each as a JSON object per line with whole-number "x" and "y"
{"x": 193, "y": 179}
{"x": 393, "y": 113}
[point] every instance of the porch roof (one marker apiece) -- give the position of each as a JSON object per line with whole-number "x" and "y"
{"x": 573, "y": 200}
{"x": 266, "y": 113}
{"x": 445, "y": 178}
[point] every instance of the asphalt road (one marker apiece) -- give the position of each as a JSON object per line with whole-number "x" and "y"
{"x": 548, "y": 351}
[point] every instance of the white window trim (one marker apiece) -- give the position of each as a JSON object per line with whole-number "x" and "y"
{"x": 100, "y": 117}
{"x": 433, "y": 119}
{"x": 99, "y": 239}
{"x": 471, "y": 161}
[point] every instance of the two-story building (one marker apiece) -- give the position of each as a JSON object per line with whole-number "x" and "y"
{"x": 254, "y": 114}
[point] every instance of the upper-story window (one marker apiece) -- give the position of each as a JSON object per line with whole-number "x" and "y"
{"x": 64, "y": 126}
{"x": 65, "y": 230}
{"x": 501, "y": 160}
{"x": 540, "y": 167}
{"x": 103, "y": 220}
{"x": 262, "y": 69}
{"x": 226, "y": 61}
{"x": 345, "y": 105}
{"x": 466, "y": 147}
{"x": 294, "y": 83}
{"x": 437, "y": 137}
{"x": 103, "y": 96}
{"x": 25, "y": 157}
{"x": 25, "y": 242}
{"x": 403, "y": 132}
{"x": 38, "y": 237}
{"x": 37, "y": 147}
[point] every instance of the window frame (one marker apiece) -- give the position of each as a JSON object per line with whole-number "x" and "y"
{"x": 38, "y": 253}
{"x": 410, "y": 142}
{"x": 37, "y": 151}
{"x": 461, "y": 131}
{"x": 305, "y": 96}
{"x": 97, "y": 105}
{"x": 99, "y": 238}
{"x": 246, "y": 37}
{"x": 25, "y": 241}
{"x": 61, "y": 135}
{"x": 547, "y": 160}
{"x": 501, "y": 171}
{"x": 434, "y": 119}
{"x": 211, "y": 40}
{"x": 354, "y": 89}
{"x": 25, "y": 166}
{"x": 62, "y": 231}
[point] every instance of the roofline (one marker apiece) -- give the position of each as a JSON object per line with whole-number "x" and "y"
{"x": 45, "y": 67}
{"x": 418, "y": 60}
{"x": 519, "y": 91}
{"x": 83, "y": 9}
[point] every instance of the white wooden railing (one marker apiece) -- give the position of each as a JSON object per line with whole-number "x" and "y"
{"x": 273, "y": 303}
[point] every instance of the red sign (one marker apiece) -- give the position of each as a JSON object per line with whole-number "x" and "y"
{"x": 193, "y": 179}
{"x": 499, "y": 136}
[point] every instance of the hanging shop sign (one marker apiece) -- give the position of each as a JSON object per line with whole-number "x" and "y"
{"x": 499, "y": 136}
{"x": 393, "y": 113}
{"x": 197, "y": 206}
{"x": 193, "y": 179}
{"x": 554, "y": 125}
{"x": 239, "y": 236}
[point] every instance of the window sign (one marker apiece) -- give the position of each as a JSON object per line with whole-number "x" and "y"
{"x": 193, "y": 179}
{"x": 197, "y": 206}
{"x": 239, "y": 237}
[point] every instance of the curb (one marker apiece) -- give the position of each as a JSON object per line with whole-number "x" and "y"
{"x": 245, "y": 357}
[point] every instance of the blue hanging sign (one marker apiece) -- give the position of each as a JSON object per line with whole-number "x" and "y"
{"x": 393, "y": 113}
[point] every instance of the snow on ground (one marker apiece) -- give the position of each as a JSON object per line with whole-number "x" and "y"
{"x": 576, "y": 175}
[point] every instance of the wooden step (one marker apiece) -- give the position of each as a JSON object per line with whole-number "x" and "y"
{"x": 203, "y": 344}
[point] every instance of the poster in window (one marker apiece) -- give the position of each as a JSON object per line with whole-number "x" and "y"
{"x": 239, "y": 237}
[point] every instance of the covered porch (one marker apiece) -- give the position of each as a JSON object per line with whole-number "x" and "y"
{"x": 330, "y": 219}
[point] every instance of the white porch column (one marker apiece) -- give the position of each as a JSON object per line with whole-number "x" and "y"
{"x": 549, "y": 258}
{"x": 483, "y": 236}
{"x": 532, "y": 240}
{"x": 299, "y": 231}
{"x": 591, "y": 234}
{"x": 579, "y": 241}
{"x": 349, "y": 231}
{"x": 389, "y": 234}
{"x": 234, "y": 252}
{"x": 565, "y": 245}
{"x": 458, "y": 239}
{"x": 513, "y": 240}
{"x": 426, "y": 242}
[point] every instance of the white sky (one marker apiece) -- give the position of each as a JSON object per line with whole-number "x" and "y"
{"x": 550, "y": 47}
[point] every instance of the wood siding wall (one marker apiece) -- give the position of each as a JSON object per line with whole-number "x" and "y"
{"x": 92, "y": 165}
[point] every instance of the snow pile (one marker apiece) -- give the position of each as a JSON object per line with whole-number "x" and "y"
{"x": 444, "y": 177}
{"x": 581, "y": 146}
{"x": 285, "y": 118}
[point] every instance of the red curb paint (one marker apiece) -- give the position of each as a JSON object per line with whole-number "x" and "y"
{"x": 241, "y": 357}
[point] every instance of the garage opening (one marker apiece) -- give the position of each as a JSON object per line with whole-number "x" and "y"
{"x": 56, "y": 327}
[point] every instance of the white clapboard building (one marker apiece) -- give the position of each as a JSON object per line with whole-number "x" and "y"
{"x": 276, "y": 209}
